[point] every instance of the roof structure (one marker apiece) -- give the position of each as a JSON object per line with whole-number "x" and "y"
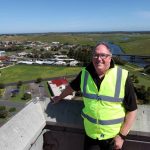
{"x": 4, "y": 58}
{"x": 59, "y": 82}
{"x": 56, "y": 86}
{"x": 42, "y": 125}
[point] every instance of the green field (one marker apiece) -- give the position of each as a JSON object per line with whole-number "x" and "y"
{"x": 143, "y": 80}
{"x": 131, "y": 43}
{"x": 32, "y": 72}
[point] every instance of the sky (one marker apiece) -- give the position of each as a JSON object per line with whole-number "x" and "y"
{"x": 38, "y": 16}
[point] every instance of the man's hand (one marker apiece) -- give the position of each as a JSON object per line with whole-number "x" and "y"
{"x": 68, "y": 91}
{"x": 118, "y": 142}
{"x": 55, "y": 99}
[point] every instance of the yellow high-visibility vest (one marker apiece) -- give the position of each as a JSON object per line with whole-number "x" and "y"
{"x": 103, "y": 110}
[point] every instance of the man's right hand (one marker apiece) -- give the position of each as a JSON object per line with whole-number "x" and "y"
{"x": 67, "y": 91}
{"x": 55, "y": 99}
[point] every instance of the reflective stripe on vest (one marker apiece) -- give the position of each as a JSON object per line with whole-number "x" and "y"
{"x": 103, "y": 97}
{"x": 102, "y": 122}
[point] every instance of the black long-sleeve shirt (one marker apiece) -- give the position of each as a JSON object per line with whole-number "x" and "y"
{"x": 129, "y": 99}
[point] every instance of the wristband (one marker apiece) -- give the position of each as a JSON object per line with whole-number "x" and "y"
{"x": 122, "y": 136}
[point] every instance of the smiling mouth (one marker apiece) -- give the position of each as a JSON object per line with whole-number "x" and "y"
{"x": 99, "y": 63}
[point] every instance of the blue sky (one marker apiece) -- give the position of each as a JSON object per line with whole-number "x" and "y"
{"x": 30, "y": 16}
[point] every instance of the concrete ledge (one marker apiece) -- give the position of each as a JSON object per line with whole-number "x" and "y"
{"x": 25, "y": 130}
{"x": 22, "y": 130}
{"x": 142, "y": 123}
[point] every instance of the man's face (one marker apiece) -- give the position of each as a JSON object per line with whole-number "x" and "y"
{"x": 101, "y": 58}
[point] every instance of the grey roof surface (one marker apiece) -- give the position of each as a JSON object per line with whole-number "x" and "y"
{"x": 25, "y": 130}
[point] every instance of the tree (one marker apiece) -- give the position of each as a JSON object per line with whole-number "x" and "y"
{"x": 147, "y": 69}
{"x": 19, "y": 83}
{"x": 141, "y": 93}
{"x": 3, "y": 112}
{"x": 2, "y": 86}
{"x": 71, "y": 53}
{"x": 38, "y": 80}
{"x": 12, "y": 109}
{"x": 118, "y": 60}
{"x": 134, "y": 78}
{"x": 26, "y": 96}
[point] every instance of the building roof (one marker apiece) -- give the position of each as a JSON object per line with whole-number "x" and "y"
{"x": 4, "y": 58}
{"x": 58, "y": 82}
{"x": 61, "y": 124}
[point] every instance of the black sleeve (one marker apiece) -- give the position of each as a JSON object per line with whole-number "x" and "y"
{"x": 75, "y": 84}
{"x": 130, "y": 96}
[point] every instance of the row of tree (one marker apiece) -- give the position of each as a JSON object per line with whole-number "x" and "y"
{"x": 84, "y": 54}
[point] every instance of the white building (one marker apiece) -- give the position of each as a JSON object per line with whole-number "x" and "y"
{"x": 60, "y": 63}
{"x": 25, "y": 62}
{"x": 74, "y": 63}
{"x": 2, "y": 53}
{"x": 58, "y": 85}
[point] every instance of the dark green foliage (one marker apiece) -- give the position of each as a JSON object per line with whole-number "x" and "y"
{"x": 19, "y": 83}
{"x": 134, "y": 78}
{"x": 38, "y": 80}
{"x": 147, "y": 69}
{"x": 81, "y": 53}
{"x": 2, "y": 86}
{"x": 143, "y": 93}
{"x": 3, "y": 112}
{"x": 119, "y": 61}
{"x": 26, "y": 96}
{"x": 12, "y": 109}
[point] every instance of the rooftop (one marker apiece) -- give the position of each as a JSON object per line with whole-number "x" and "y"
{"x": 42, "y": 125}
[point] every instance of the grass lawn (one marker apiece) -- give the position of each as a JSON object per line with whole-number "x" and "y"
{"x": 32, "y": 72}
{"x": 1, "y": 92}
{"x": 23, "y": 88}
{"x": 143, "y": 80}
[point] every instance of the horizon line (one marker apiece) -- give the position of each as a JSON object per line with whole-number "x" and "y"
{"x": 119, "y": 31}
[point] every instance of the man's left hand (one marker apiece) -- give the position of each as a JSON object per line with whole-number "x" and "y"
{"x": 118, "y": 142}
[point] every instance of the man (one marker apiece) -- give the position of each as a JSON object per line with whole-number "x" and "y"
{"x": 109, "y": 100}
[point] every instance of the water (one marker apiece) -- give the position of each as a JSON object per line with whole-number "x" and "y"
{"x": 119, "y": 51}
